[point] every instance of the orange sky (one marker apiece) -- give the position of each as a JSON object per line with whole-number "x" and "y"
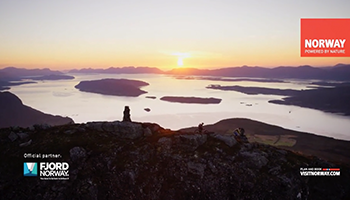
{"x": 100, "y": 34}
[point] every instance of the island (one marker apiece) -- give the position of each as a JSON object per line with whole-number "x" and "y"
{"x": 115, "y": 87}
{"x": 255, "y": 90}
{"x": 330, "y": 84}
{"x": 192, "y": 100}
{"x": 230, "y": 79}
{"x": 334, "y": 99}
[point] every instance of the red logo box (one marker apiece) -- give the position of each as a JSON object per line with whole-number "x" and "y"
{"x": 325, "y": 37}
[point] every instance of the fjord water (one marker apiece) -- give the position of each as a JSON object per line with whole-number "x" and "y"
{"x": 61, "y": 98}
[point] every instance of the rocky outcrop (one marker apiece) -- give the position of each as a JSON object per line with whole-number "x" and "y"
{"x": 123, "y": 130}
{"x": 77, "y": 154}
{"x": 229, "y": 140}
{"x": 128, "y": 160}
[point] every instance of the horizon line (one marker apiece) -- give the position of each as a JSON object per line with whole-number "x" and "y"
{"x": 174, "y": 68}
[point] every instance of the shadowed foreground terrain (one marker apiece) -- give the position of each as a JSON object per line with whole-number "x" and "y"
{"x": 125, "y": 160}
{"x": 310, "y": 144}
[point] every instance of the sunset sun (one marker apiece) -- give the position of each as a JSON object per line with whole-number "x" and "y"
{"x": 180, "y": 62}
{"x": 181, "y": 57}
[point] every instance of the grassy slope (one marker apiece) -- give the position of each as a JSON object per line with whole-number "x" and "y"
{"x": 310, "y": 144}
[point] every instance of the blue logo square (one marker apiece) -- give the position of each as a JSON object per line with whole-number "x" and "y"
{"x": 30, "y": 169}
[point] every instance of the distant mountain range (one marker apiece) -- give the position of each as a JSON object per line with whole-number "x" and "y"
{"x": 338, "y": 72}
{"x": 10, "y": 74}
{"x": 120, "y": 70}
{"x": 14, "y": 73}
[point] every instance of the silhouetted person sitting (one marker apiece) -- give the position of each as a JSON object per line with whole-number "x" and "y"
{"x": 126, "y": 114}
{"x": 239, "y": 135}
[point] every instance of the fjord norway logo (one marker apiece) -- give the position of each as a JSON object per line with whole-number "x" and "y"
{"x": 325, "y": 37}
{"x": 30, "y": 169}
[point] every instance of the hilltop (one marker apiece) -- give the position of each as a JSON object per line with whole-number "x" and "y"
{"x": 15, "y": 113}
{"x": 307, "y": 143}
{"x": 130, "y": 160}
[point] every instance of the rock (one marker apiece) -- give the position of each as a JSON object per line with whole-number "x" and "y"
{"x": 165, "y": 145}
{"x": 283, "y": 152}
{"x": 41, "y": 126}
{"x": 193, "y": 140}
{"x": 130, "y": 176}
{"x": 212, "y": 167}
{"x": 147, "y": 109}
{"x": 155, "y": 128}
{"x": 229, "y": 140}
{"x": 147, "y": 132}
{"x": 77, "y": 154}
{"x": 196, "y": 168}
{"x": 285, "y": 181}
{"x": 69, "y": 132}
{"x": 255, "y": 159}
{"x": 23, "y": 135}
{"x": 95, "y": 125}
{"x": 13, "y": 136}
{"x": 165, "y": 141}
{"x": 125, "y": 130}
{"x": 299, "y": 196}
{"x": 25, "y": 143}
{"x": 275, "y": 170}
{"x": 15, "y": 128}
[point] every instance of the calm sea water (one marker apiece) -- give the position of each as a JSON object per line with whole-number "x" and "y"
{"x": 61, "y": 98}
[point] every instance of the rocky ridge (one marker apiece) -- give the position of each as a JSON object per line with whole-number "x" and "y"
{"x": 128, "y": 160}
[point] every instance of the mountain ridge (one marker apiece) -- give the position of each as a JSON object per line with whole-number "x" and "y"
{"x": 132, "y": 160}
{"x": 337, "y": 72}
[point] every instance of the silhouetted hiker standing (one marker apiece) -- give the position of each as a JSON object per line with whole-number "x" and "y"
{"x": 200, "y": 127}
{"x": 126, "y": 114}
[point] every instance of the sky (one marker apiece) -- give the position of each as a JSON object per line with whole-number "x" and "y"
{"x": 158, "y": 33}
